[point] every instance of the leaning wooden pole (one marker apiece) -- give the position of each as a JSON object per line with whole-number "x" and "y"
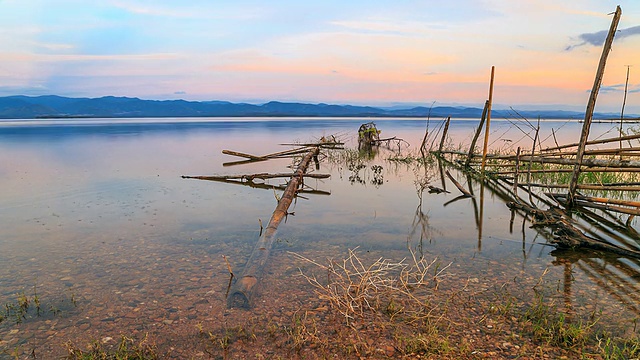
{"x": 588, "y": 116}
{"x": 242, "y": 291}
{"x": 444, "y": 134}
{"x": 486, "y": 130}
{"x": 472, "y": 148}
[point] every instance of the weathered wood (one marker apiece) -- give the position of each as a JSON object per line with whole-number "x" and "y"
{"x": 588, "y": 117}
{"x": 588, "y": 170}
{"x": 444, "y": 134}
{"x": 243, "y": 155}
{"x": 264, "y": 186}
{"x": 594, "y": 142}
{"x": 322, "y": 144}
{"x": 588, "y": 202}
{"x": 515, "y": 175}
{"x": 602, "y": 200}
{"x": 533, "y": 151}
{"x": 472, "y": 147}
{"x": 242, "y": 291}
{"x": 624, "y": 102}
{"x": 251, "y": 177}
{"x": 487, "y": 125}
{"x": 629, "y": 150}
{"x": 615, "y": 163}
{"x": 566, "y": 236}
{"x": 455, "y": 182}
{"x": 586, "y": 187}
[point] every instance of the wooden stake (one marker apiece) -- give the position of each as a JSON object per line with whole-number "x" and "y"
{"x": 444, "y": 134}
{"x": 472, "y": 148}
{"x": 515, "y": 176}
{"x": 588, "y": 117}
{"x": 533, "y": 151}
{"x": 624, "y": 101}
{"x": 486, "y": 130}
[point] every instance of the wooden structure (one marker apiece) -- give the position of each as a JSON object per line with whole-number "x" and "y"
{"x": 514, "y": 174}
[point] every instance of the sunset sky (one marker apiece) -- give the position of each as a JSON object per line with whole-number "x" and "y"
{"x": 375, "y": 53}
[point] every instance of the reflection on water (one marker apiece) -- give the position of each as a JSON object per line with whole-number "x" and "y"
{"x": 96, "y": 219}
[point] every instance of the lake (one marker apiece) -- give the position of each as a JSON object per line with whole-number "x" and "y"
{"x": 98, "y": 224}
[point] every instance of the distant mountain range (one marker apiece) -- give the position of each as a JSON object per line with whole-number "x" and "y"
{"x": 25, "y": 107}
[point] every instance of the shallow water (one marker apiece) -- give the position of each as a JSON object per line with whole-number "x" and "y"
{"x": 97, "y": 221}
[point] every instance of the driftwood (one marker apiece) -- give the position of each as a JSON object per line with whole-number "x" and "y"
{"x": 242, "y": 291}
{"x": 436, "y": 190}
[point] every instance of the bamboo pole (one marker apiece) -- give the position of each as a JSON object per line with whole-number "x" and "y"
{"x": 601, "y": 206}
{"x": 595, "y": 142}
{"x": 602, "y": 200}
{"x": 242, "y": 291}
{"x": 629, "y": 150}
{"x": 472, "y": 148}
{"x": 588, "y": 117}
{"x": 486, "y": 130}
{"x": 590, "y": 170}
{"x": 624, "y": 102}
{"x": 586, "y": 187}
{"x": 533, "y": 151}
{"x": 605, "y": 163}
{"x": 516, "y": 174}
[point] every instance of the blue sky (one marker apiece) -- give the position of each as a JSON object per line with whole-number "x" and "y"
{"x": 359, "y": 52}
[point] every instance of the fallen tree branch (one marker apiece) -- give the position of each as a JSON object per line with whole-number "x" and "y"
{"x": 242, "y": 291}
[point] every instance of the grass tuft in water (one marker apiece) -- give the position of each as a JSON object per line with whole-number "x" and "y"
{"x": 127, "y": 349}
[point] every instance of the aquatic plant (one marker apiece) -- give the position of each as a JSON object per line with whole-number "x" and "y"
{"x": 127, "y": 349}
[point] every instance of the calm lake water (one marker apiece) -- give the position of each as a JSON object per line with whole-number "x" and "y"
{"x": 96, "y": 220}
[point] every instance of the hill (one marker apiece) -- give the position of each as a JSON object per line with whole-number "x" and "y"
{"x": 51, "y": 106}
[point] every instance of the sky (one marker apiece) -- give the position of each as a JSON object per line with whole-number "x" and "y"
{"x": 375, "y": 52}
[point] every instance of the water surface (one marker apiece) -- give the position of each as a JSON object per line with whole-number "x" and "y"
{"x": 96, "y": 219}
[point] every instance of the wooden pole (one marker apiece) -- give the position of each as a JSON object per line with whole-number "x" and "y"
{"x": 486, "y": 130}
{"x": 444, "y": 134}
{"x": 624, "y": 101}
{"x": 516, "y": 174}
{"x": 533, "y": 151}
{"x": 455, "y": 182}
{"x": 588, "y": 117}
{"x": 242, "y": 291}
{"x": 595, "y": 142}
{"x": 472, "y": 148}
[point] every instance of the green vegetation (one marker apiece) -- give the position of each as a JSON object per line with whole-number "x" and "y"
{"x": 24, "y": 308}
{"x": 127, "y": 349}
